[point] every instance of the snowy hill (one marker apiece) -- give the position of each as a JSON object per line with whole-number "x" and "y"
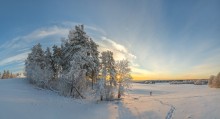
{"x": 20, "y": 100}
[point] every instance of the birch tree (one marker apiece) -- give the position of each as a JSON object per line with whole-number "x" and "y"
{"x": 123, "y": 76}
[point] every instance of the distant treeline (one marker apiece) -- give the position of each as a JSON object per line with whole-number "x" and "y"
{"x": 7, "y": 74}
{"x": 194, "y": 81}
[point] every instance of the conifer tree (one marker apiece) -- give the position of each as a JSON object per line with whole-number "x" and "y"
{"x": 48, "y": 70}
{"x": 4, "y": 75}
{"x": 35, "y": 65}
{"x": 81, "y": 51}
{"x": 56, "y": 61}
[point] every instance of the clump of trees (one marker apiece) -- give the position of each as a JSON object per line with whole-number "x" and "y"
{"x": 214, "y": 81}
{"x": 7, "y": 74}
{"x": 75, "y": 68}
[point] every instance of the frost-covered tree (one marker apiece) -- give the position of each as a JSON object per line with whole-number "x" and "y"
{"x": 79, "y": 51}
{"x": 214, "y": 81}
{"x": 4, "y": 75}
{"x": 74, "y": 79}
{"x": 35, "y": 65}
{"x": 101, "y": 88}
{"x": 39, "y": 66}
{"x": 75, "y": 42}
{"x": 93, "y": 64}
{"x": 217, "y": 81}
{"x": 78, "y": 40}
{"x": 57, "y": 61}
{"x": 107, "y": 83}
{"x": 211, "y": 78}
{"x": 123, "y": 76}
{"x": 48, "y": 69}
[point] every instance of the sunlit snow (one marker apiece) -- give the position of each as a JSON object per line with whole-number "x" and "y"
{"x": 21, "y": 100}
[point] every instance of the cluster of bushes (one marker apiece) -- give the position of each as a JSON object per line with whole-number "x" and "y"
{"x": 201, "y": 82}
{"x": 75, "y": 68}
{"x": 182, "y": 82}
{"x": 214, "y": 81}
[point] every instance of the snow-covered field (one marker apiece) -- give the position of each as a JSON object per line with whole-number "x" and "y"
{"x": 20, "y": 100}
{"x": 174, "y": 101}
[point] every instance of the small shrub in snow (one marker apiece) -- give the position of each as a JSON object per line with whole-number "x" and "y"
{"x": 214, "y": 81}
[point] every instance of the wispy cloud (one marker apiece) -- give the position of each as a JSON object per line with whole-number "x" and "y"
{"x": 14, "y": 52}
{"x": 120, "y": 51}
{"x": 45, "y": 32}
{"x": 37, "y": 34}
{"x": 17, "y": 58}
{"x": 96, "y": 29}
{"x": 115, "y": 45}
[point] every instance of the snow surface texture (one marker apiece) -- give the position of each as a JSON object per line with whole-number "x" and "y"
{"x": 21, "y": 100}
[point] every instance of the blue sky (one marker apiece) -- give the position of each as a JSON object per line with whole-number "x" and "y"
{"x": 163, "y": 39}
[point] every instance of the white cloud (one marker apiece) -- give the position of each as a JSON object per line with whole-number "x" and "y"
{"x": 17, "y": 58}
{"x": 120, "y": 51}
{"x": 115, "y": 45}
{"x": 96, "y": 29}
{"x": 21, "y": 45}
{"x": 88, "y": 27}
{"x": 37, "y": 34}
{"x": 45, "y": 32}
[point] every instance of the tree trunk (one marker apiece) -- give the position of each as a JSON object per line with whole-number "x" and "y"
{"x": 71, "y": 90}
{"x": 79, "y": 93}
{"x": 119, "y": 91}
{"x": 101, "y": 98}
{"x": 119, "y": 95}
{"x": 93, "y": 79}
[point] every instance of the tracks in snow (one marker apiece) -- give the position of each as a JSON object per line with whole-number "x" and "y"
{"x": 170, "y": 112}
